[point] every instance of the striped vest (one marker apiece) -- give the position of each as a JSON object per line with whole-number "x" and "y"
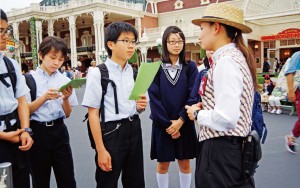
{"x": 244, "y": 123}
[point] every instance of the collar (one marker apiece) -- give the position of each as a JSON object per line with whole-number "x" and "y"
{"x": 42, "y": 72}
{"x": 218, "y": 52}
{"x": 170, "y": 66}
{"x": 115, "y": 65}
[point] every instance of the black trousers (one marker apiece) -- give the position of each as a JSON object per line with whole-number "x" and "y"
{"x": 219, "y": 164}
{"x": 10, "y": 152}
{"x": 125, "y": 146}
{"x": 51, "y": 148}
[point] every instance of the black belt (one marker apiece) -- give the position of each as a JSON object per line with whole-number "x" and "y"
{"x": 48, "y": 123}
{"x": 128, "y": 119}
{"x": 232, "y": 139}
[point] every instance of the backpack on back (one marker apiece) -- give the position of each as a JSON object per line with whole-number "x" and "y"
{"x": 257, "y": 118}
{"x": 30, "y": 82}
{"x": 104, "y": 83}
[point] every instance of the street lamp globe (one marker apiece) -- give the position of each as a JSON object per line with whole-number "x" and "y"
{"x": 103, "y": 55}
{"x": 159, "y": 46}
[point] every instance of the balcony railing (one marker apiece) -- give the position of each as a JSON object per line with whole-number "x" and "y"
{"x": 26, "y": 54}
{"x": 189, "y": 30}
{"x": 84, "y": 49}
{"x": 35, "y": 7}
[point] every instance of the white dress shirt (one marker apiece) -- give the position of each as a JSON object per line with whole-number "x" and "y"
{"x": 228, "y": 88}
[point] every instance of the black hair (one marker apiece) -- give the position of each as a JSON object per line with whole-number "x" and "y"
{"x": 114, "y": 30}
{"x": 3, "y": 15}
{"x": 236, "y": 37}
{"x": 165, "y": 52}
{"x": 52, "y": 42}
{"x": 206, "y": 62}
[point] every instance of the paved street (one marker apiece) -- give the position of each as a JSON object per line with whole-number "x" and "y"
{"x": 278, "y": 168}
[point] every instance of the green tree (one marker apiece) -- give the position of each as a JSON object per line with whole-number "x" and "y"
{"x": 202, "y": 53}
{"x": 134, "y": 58}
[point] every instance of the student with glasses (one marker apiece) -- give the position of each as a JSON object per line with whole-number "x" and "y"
{"x": 118, "y": 137}
{"x": 173, "y": 134}
{"x": 15, "y": 137}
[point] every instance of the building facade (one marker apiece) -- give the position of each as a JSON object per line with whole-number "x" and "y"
{"x": 81, "y": 23}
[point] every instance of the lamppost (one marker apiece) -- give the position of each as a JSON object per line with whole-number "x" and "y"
{"x": 255, "y": 51}
{"x": 103, "y": 56}
{"x": 159, "y": 46}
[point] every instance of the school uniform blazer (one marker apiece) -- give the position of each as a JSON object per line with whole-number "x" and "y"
{"x": 168, "y": 98}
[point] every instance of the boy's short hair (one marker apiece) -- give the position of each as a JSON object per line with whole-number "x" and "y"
{"x": 3, "y": 15}
{"x": 52, "y": 42}
{"x": 114, "y": 30}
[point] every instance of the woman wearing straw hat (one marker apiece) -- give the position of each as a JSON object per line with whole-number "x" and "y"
{"x": 225, "y": 117}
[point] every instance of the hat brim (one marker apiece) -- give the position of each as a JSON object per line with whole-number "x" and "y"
{"x": 242, "y": 27}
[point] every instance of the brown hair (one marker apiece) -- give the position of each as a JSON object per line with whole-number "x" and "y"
{"x": 52, "y": 42}
{"x": 236, "y": 37}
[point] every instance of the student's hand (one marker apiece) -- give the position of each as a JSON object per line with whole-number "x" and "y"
{"x": 141, "y": 103}
{"x": 67, "y": 92}
{"x": 26, "y": 141}
{"x": 13, "y": 136}
{"x": 292, "y": 96}
{"x": 190, "y": 111}
{"x": 174, "y": 127}
{"x": 51, "y": 94}
{"x": 176, "y": 135}
{"x": 104, "y": 160}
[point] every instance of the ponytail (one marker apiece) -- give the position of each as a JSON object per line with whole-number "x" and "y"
{"x": 248, "y": 53}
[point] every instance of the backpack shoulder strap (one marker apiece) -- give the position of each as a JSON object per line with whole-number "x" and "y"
{"x": 104, "y": 83}
{"x": 11, "y": 72}
{"x": 32, "y": 86}
{"x": 104, "y": 77}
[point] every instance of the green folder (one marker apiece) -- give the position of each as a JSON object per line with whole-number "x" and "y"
{"x": 76, "y": 83}
{"x": 146, "y": 74}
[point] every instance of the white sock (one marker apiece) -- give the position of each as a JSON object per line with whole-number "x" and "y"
{"x": 185, "y": 180}
{"x": 162, "y": 180}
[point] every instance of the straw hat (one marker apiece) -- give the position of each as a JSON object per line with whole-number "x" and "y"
{"x": 225, "y": 14}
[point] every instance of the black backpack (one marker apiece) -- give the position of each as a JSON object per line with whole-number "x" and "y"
{"x": 30, "y": 82}
{"x": 104, "y": 83}
{"x": 11, "y": 73}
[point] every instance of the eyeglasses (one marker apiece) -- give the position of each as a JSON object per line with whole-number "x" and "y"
{"x": 172, "y": 42}
{"x": 127, "y": 42}
{"x": 4, "y": 31}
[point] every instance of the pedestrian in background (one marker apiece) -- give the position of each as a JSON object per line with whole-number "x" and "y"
{"x": 266, "y": 65}
{"x": 294, "y": 96}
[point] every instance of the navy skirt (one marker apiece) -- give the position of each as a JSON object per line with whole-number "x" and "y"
{"x": 166, "y": 149}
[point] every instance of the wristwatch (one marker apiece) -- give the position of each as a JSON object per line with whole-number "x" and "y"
{"x": 196, "y": 114}
{"x": 29, "y": 130}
